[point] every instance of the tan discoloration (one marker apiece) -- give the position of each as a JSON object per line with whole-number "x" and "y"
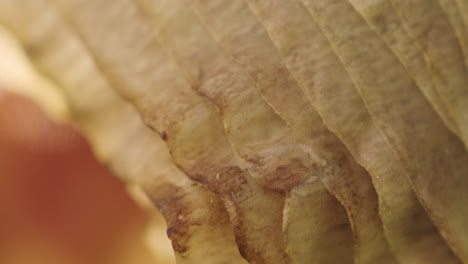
{"x": 405, "y": 118}
{"x": 256, "y": 133}
{"x": 328, "y": 87}
{"x": 197, "y": 141}
{"x": 238, "y": 31}
{"x": 430, "y": 28}
{"x": 462, "y": 5}
{"x": 195, "y": 215}
{"x": 384, "y": 19}
{"x": 208, "y": 102}
{"x": 455, "y": 18}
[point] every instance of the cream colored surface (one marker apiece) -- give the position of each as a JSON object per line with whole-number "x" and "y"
{"x": 247, "y": 122}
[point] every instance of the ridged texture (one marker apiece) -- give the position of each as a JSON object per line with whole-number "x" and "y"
{"x": 271, "y": 131}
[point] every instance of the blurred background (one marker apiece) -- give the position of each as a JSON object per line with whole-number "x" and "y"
{"x": 58, "y": 205}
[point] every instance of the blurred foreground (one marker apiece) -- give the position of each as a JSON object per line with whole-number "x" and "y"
{"x": 58, "y": 205}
